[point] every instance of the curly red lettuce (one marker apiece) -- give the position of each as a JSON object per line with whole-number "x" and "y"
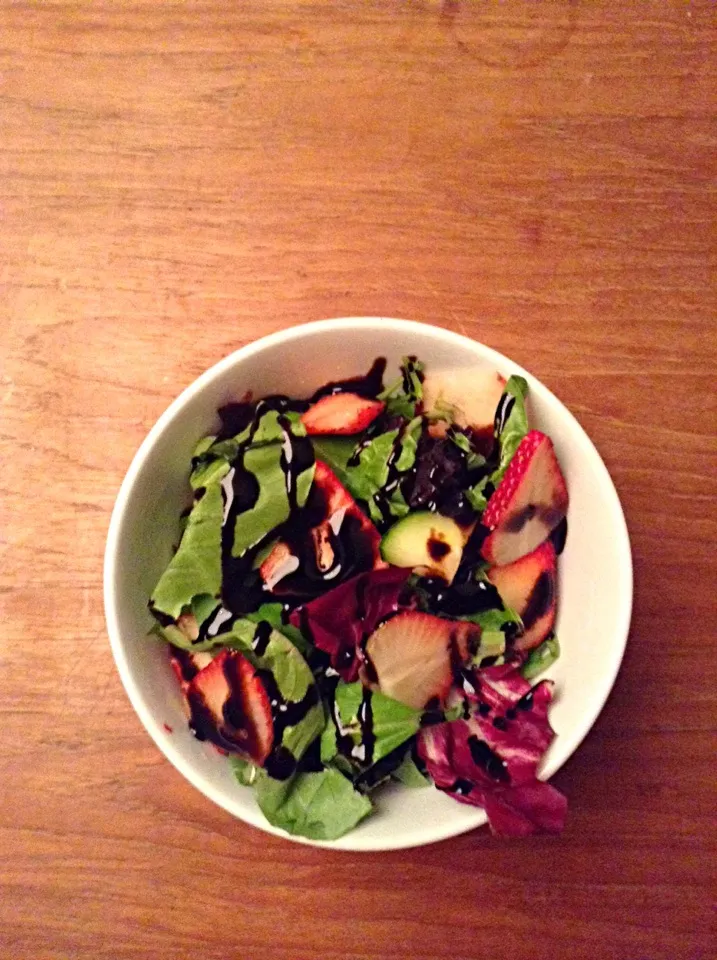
{"x": 490, "y": 758}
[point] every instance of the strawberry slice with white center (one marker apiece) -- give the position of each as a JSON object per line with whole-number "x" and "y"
{"x": 529, "y": 586}
{"x": 341, "y": 414}
{"x": 230, "y": 707}
{"x": 529, "y": 502}
{"x": 412, "y": 657}
{"x": 473, "y": 396}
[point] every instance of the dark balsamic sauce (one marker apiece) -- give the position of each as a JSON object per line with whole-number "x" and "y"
{"x": 262, "y": 636}
{"x": 559, "y": 535}
{"x": 368, "y": 386}
{"x": 235, "y": 418}
{"x": 540, "y": 600}
{"x": 379, "y": 771}
{"x": 163, "y": 619}
{"x": 488, "y": 760}
{"x": 460, "y": 787}
{"x": 437, "y": 549}
{"x": 365, "y": 718}
{"x": 297, "y": 455}
{"x": 503, "y": 411}
{"x": 311, "y": 760}
{"x": 460, "y": 598}
{"x": 185, "y": 662}
{"x": 526, "y": 701}
{"x": 281, "y": 763}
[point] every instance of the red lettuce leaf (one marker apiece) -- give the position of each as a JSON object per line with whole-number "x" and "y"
{"x": 526, "y": 809}
{"x": 490, "y": 759}
{"x": 339, "y": 621}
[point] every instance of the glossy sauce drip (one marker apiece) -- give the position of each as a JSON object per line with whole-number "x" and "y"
{"x": 238, "y": 595}
{"x": 364, "y": 716}
{"x": 262, "y": 636}
{"x": 488, "y": 760}
{"x": 236, "y": 417}
{"x": 504, "y": 410}
{"x": 460, "y": 787}
{"x": 381, "y": 770}
{"x": 219, "y": 621}
{"x": 395, "y": 478}
{"x": 297, "y": 455}
{"x": 281, "y": 763}
{"x": 461, "y": 599}
{"x": 368, "y": 386}
{"x": 559, "y": 536}
{"x": 527, "y": 700}
{"x": 347, "y": 546}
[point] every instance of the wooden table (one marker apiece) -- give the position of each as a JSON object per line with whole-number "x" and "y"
{"x": 177, "y": 178}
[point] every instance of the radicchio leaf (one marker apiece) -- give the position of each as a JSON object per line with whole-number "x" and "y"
{"x": 490, "y": 759}
{"x": 339, "y": 621}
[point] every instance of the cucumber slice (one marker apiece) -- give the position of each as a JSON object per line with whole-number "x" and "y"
{"x": 428, "y": 542}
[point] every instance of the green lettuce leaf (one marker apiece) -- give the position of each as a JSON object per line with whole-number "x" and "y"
{"x": 515, "y": 426}
{"x": 292, "y": 676}
{"x": 320, "y": 806}
{"x": 272, "y": 613}
{"x": 541, "y": 658}
{"x": 404, "y": 395}
{"x": 335, "y": 452}
{"x": 365, "y": 479}
{"x": 245, "y": 772}
{"x": 393, "y": 723}
{"x": 263, "y": 459}
{"x": 211, "y": 461}
{"x": 409, "y": 775}
{"x": 461, "y": 440}
{"x": 196, "y": 567}
{"x": 209, "y": 472}
{"x": 492, "y": 644}
{"x": 371, "y": 472}
{"x": 510, "y": 434}
{"x": 493, "y": 620}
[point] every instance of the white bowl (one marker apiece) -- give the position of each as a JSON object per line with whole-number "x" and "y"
{"x": 595, "y": 576}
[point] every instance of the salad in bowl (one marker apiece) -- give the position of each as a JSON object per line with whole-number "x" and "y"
{"x": 335, "y": 606}
{"x": 364, "y": 592}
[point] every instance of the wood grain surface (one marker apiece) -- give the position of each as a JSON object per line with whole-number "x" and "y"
{"x": 177, "y": 178}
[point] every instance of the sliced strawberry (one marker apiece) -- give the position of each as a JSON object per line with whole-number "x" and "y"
{"x": 343, "y": 541}
{"x": 473, "y": 395}
{"x": 529, "y": 502}
{"x": 341, "y": 413}
{"x": 529, "y": 586}
{"x": 186, "y": 665}
{"x": 230, "y": 707}
{"x": 413, "y": 656}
